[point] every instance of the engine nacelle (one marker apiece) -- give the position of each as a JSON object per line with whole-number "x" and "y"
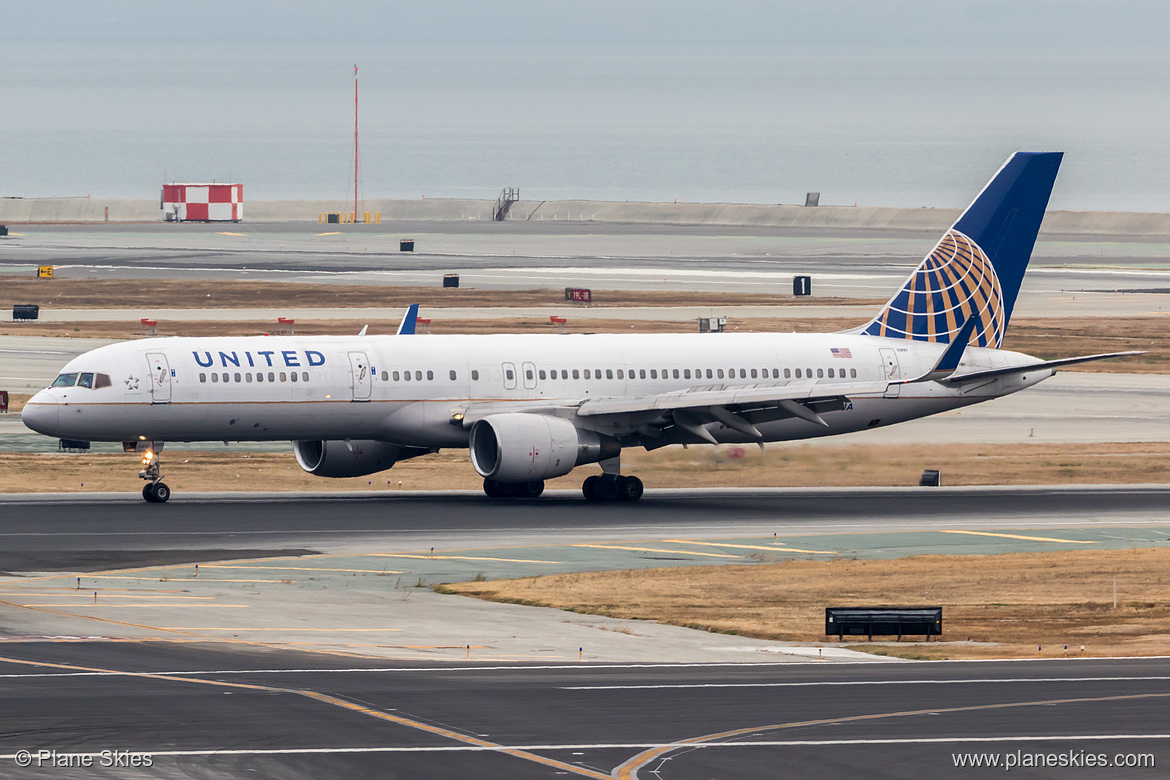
{"x": 353, "y": 458}
{"x": 523, "y": 447}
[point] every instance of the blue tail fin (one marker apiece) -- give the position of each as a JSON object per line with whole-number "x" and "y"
{"x": 976, "y": 269}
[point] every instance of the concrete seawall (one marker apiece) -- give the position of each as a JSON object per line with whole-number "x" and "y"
{"x": 16, "y": 211}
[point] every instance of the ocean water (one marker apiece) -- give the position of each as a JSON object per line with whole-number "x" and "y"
{"x": 917, "y": 130}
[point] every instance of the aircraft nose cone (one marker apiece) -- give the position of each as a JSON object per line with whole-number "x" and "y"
{"x": 41, "y": 413}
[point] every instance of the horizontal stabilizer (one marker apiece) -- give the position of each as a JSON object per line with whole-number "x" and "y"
{"x": 1048, "y": 364}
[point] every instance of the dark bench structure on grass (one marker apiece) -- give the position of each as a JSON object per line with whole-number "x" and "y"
{"x": 883, "y": 621}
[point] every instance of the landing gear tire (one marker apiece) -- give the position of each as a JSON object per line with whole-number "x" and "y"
{"x": 629, "y": 488}
{"x": 530, "y": 489}
{"x": 156, "y": 492}
{"x": 495, "y": 489}
{"x": 611, "y": 487}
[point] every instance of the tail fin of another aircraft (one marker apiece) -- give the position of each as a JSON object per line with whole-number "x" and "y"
{"x": 976, "y": 269}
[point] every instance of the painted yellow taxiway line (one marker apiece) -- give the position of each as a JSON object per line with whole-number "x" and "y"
{"x": 424, "y": 556}
{"x": 1025, "y": 538}
{"x": 293, "y": 568}
{"x": 780, "y": 548}
{"x": 654, "y": 549}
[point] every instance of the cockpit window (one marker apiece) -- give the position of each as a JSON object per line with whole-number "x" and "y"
{"x": 85, "y": 380}
{"x": 65, "y": 380}
{"x": 101, "y": 380}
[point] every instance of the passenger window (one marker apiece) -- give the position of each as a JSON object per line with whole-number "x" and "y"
{"x": 396, "y": 376}
{"x": 541, "y": 374}
{"x": 753, "y": 373}
{"x": 853, "y": 373}
{"x": 227, "y": 377}
{"x": 215, "y": 378}
{"x": 305, "y": 376}
{"x": 85, "y": 380}
{"x": 418, "y": 376}
{"x": 641, "y": 373}
{"x": 798, "y": 374}
{"x": 775, "y": 373}
{"x": 654, "y": 373}
{"x": 576, "y": 374}
{"x": 588, "y": 374}
{"x": 565, "y": 373}
{"x": 431, "y": 376}
{"x": 676, "y": 373}
{"x": 710, "y": 374}
{"x": 406, "y": 375}
{"x": 831, "y": 372}
{"x": 475, "y": 375}
{"x": 271, "y": 377}
{"x": 609, "y": 373}
{"x": 452, "y": 373}
{"x": 686, "y": 373}
{"x": 527, "y": 374}
{"x": 820, "y": 373}
{"x": 788, "y": 373}
{"x": 238, "y": 378}
{"x": 508, "y": 373}
{"x": 808, "y": 373}
{"x": 719, "y": 373}
{"x": 65, "y": 380}
{"x": 283, "y": 377}
{"x": 743, "y": 373}
{"x": 203, "y": 378}
{"x": 385, "y": 376}
{"x": 248, "y": 377}
{"x": 293, "y": 376}
{"x": 621, "y": 375}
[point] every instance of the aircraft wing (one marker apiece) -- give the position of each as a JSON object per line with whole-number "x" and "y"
{"x": 720, "y": 395}
{"x": 737, "y": 407}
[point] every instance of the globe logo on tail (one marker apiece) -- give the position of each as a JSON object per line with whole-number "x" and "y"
{"x": 954, "y": 282}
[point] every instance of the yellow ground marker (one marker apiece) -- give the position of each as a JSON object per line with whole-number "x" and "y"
{"x": 1025, "y": 538}
{"x": 653, "y": 549}
{"x": 780, "y": 548}
{"x": 334, "y": 233}
{"x": 225, "y": 233}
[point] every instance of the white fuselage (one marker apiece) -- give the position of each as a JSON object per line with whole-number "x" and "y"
{"x": 412, "y": 390}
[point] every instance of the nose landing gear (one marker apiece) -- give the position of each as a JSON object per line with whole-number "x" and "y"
{"x": 155, "y": 491}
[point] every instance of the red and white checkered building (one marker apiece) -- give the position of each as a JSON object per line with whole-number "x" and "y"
{"x": 203, "y": 202}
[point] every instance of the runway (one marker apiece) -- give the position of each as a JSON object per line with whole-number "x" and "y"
{"x": 196, "y": 711}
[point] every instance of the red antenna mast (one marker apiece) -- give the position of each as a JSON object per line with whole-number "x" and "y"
{"x": 355, "y": 143}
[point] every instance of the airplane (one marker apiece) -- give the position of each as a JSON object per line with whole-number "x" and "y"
{"x": 534, "y": 407}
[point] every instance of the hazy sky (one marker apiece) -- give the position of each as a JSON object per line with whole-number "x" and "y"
{"x": 1059, "y": 25}
{"x": 1086, "y": 76}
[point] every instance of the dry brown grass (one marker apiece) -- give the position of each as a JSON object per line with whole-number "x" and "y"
{"x": 1018, "y": 601}
{"x": 794, "y": 465}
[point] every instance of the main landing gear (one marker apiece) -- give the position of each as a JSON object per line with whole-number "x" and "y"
{"x": 496, "y": 489}
{"x": 155, "y": 491}
{"x": 611, "y": 487}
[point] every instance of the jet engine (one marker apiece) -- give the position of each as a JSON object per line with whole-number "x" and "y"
{"x": 525, "y": 447}
{"x": 351, "y": 458}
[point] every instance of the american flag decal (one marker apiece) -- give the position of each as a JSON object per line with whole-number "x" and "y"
{"x": 843, "y": 352}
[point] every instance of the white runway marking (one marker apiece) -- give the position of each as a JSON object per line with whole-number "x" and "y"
{"x": 814, "y": 684}
{"x": 626, "y": 745}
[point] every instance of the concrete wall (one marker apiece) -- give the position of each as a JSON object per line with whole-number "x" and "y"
{"x": 82, "y": 210}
